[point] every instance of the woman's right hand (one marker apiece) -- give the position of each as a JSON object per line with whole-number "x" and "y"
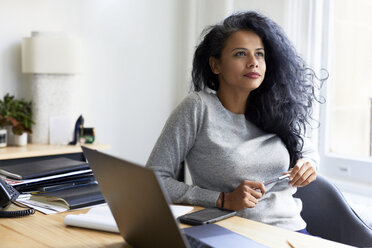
{"x": 246, "y": 195}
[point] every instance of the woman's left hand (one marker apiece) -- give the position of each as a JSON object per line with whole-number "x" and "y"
{"x": 302, "y": 174}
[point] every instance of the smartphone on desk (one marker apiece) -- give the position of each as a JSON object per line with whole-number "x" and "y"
{"x": 206, "y": 216}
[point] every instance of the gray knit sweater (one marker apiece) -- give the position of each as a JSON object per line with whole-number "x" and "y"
{"x": 221, "y": 150}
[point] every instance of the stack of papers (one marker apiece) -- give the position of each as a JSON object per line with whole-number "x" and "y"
{"x": 45, "y": 208}
{"x": 29, "y": 184}
{"x": 35, "y": 176}
{"x": 64, "y": 199}
{"x": 100, "y": 218}
{"x": 53, "y": 185}
{"x": 42, "y": 168}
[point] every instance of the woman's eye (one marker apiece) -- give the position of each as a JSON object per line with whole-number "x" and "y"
{"x": 260, "y": 54}
{"x": 241, "y": 53}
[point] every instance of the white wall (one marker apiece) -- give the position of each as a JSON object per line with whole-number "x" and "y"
{"x": 136, "y": 58}
{"x": 275, "y": 9}
{"x": 130, "y": 59}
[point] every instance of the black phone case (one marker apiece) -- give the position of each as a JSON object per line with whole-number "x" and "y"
{"x": 206, "y": 216}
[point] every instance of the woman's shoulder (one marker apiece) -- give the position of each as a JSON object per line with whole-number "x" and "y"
{"x": 191, "y": 100}
{"x": 197, "y": 101}
{"x": 196, "y": 98}
{"x": 202, "y": 96}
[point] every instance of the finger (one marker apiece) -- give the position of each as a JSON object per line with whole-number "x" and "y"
{"x": 297, "y": 167}
{"x": 246, "y": 189}
{"x": 252, "y": 184}
{"x": 294, "y": 172}
{"x": 262, "y": 188}
{"x": 303, "y": 178}
{"x": 308, "y": 180}
{"x": 249, "y": 190}
{"x": 257, "y": 185}
{"x": 255, "y": 193}
{"x": 311, "y": 179}
{"x": 296, "y": 179}
{"x": 287, "y": 172}
{"x": 304, "y": 173}
{"x": 252, "y": 199}
{"x": 248, "y": 203}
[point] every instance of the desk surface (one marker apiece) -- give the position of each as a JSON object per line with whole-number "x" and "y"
{"x": 36, "y": 150}
{"x": 41, "y": 230}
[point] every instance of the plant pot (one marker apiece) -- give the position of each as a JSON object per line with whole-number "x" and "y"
{"x": 14, "y": 139}
{"x": 3, "y": 137}
{"x": 20, "y": 140}
{"x": 10, "y": 135}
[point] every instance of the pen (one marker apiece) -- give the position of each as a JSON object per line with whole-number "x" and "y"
{"x": 290, "y": 244}
{"x": 276, "y": 179}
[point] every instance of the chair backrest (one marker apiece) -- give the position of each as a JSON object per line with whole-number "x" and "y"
{"x": 329, "y": 216}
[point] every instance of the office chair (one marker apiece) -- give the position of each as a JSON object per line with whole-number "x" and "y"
{"x": 329, "y": 216}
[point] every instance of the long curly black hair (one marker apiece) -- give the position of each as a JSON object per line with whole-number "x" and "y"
{"x": 283, "y": 102}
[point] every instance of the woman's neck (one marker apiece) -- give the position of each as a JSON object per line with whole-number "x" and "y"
{"x": 234, "y": 102}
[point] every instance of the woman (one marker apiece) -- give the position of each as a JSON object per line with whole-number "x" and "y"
{"x": 243, "y": 124}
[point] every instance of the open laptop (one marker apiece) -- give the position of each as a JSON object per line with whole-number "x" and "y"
{"x": 141, "y": 210}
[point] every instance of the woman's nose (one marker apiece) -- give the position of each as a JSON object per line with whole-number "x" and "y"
{"x": 252, "y": 62}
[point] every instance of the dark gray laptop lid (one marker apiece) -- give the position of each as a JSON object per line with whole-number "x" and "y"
{"x": 136, "y": 200}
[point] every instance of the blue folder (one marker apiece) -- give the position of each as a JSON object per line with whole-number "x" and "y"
{"x": 216, "y": 236}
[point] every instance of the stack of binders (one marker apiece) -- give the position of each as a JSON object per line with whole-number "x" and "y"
{"x": 62, "y": 181}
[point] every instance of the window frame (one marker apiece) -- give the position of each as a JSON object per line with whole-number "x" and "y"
{"x": 346, "y": 170}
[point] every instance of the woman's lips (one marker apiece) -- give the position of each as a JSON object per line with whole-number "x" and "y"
{"x": 252, "y": 75}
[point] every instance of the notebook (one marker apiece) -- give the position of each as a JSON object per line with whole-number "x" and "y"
{"x": 72, "y": 197}
{"x": 42, "y": 168}
{"x": 142, "y": 212}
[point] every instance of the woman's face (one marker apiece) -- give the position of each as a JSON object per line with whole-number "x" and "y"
{"x": 242, "y": 64}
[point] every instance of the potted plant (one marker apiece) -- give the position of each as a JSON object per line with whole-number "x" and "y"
{"x": 4, "y": 122}
{"x": 3, "y": 131}
{"x": 17, "y": 114}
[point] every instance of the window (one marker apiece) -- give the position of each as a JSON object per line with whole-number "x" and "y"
{"x": 345, "y": 135}
{"x": 351, "y": 79}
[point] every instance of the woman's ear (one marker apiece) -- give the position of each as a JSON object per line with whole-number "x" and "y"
{"x": 214, "y": 64}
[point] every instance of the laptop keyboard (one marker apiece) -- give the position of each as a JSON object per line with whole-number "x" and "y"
{"x": 195, "y": 243}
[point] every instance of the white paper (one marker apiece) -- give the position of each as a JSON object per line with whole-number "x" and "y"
{"x": 99, "y": 223}
{"x": 177, "y": 211}
{"x": 40, "y": 179}
{"x": 45, "y": 208}
{"x": 100, "y": 218}
{"x": 42, "y": 207}
{"x": 61, "y": 129}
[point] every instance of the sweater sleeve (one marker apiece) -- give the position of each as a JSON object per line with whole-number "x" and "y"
{"x": 175, "y": 141}
{"x": 310, "y": 154}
